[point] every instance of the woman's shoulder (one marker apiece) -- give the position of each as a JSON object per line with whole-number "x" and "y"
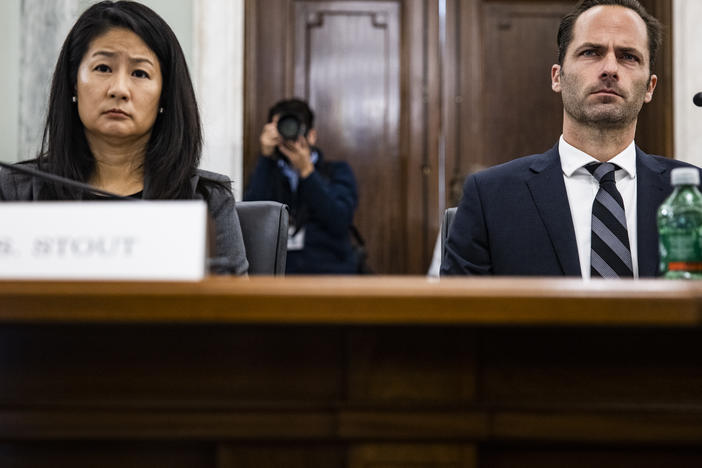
{"x": 16, "y": 186}
{"x": 213, "y": 187}
{"x": 210, "y": 176}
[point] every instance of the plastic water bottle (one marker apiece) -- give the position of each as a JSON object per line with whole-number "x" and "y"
{"x": 680, "y": 227}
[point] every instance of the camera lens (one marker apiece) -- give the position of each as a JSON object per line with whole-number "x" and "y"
{"x": 290, "y": 127}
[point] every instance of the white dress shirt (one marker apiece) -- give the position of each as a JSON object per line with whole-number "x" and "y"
{"x": 582, "y": 188}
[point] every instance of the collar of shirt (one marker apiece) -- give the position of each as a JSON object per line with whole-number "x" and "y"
{"x": 573, "y": 159}
{"x": 291, "y": 173}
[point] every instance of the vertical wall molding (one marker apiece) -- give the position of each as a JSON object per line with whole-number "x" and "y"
{"x": 45, "y": 24}
{"x": 688, "y": 80}
{"x": 219, "y": 80}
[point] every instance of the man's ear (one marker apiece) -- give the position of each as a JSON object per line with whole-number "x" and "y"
{"x": 556, "y": 78}
{"x": 651, "y": 86}
{"x": 312, "y": 136}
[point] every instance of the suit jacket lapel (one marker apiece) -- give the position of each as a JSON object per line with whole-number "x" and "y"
{"x": 549, "y": 194}
{"x": 651, "y": 190}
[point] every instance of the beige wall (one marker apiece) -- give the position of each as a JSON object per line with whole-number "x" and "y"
{"x": 687, "y": 15}
{"x": 9, "y": 78}
{"x": 218, "y": 67}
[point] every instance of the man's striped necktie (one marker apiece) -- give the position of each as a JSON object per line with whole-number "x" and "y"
{"x": 610, "y": 256}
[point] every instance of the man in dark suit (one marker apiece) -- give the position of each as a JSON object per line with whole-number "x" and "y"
{"x": 563, "y": 212}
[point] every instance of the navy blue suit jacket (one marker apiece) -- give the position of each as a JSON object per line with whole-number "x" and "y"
{"x": 514, "y": 219}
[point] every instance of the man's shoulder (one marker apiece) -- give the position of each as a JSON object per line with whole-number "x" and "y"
{"x": 339, "y": 166}
{"x": 661, "y": 163}
{"x": 519, "y": 168}
{"x": 335, "y": 169}
{"x": 323, "y": 162}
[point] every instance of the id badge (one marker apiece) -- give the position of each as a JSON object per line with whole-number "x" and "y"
{"x": 296, "y": 241}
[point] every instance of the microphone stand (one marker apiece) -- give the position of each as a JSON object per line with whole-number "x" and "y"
{"x": 60, "y": 180}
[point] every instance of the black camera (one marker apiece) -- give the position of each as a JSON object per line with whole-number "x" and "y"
{"x": 291, "y": 126}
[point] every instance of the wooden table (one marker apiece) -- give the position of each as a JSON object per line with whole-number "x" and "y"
{"x": 351, "y": 372}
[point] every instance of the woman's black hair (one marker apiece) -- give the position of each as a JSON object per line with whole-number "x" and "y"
{"x": 174, "y": 148}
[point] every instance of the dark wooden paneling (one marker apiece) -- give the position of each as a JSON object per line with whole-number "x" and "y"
{"x": 655, "y": 133}
{"x": 265, "y": 68}
{"x": 415, "y": 455}
{"x": 258, "y": 455}
{"x": 550, "y": 457}
{"x": 106, "y": 455}
{"x": 495, "y": 373}
{"x": 520, "y": 368}
{"x": 616, "y": 426}
{"x": 347, "y": 66}
{"x": 463, "y": 79}
{"x": 420, "y": 114}
{"x": 521, "y": 114}
{"x": 113, "y": 365}
{"x": 391, "y": 366}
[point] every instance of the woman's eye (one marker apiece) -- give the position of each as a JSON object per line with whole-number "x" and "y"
{"x": 140, "y": 74}
{"x": 102, "y": 68}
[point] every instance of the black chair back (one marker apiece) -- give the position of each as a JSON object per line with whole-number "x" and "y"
{"x": 449, "y": 213}
{"x": 264, "y": 225}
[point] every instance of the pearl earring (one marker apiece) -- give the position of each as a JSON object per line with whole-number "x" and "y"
{"x": 160, "y": 110}
{"x": 74, "y": 99}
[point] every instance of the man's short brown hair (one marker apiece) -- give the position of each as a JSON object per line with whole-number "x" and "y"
{"x": 653, "y": 26}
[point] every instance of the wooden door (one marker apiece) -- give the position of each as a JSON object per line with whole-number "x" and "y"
{"x": 347, "y": 66}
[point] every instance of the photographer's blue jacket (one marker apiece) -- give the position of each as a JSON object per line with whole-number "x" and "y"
{"x": 323, "y": 204}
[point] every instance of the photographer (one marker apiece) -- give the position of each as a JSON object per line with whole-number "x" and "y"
{"x": 321, "y": 194}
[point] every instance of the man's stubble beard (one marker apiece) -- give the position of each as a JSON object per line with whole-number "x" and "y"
{"x": 601, "y": 116}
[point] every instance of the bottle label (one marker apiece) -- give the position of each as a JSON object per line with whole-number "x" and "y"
{"x": 685, "y": 266}
{"x": 681, "y": 250}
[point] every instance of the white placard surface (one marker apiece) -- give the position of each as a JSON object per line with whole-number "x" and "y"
{"x": 103, "y": 240}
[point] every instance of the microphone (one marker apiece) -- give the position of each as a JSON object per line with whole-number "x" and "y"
{"x": 47, "y": 176}
{"x": 697, "y": 99}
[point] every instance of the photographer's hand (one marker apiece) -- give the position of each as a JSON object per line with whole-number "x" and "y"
{"x": 270, "y": 138}
{"x": 299, "y": 154}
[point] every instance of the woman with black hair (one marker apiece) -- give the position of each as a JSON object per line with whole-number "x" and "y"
{"x": 122, "y": 116}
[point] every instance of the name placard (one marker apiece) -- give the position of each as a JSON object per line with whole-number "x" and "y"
{"x": 103, "y": 240}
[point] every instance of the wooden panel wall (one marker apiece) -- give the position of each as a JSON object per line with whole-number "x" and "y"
{"x": 655, "y": 132}
{"x": 517, "y": 98}
{"x": 357, "y": 397}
